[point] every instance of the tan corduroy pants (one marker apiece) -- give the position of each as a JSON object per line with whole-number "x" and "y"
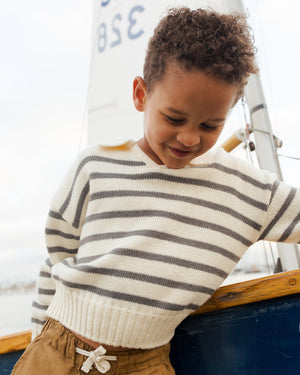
{"x": 56, "y": 351}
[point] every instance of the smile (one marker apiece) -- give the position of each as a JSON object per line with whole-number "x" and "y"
{"x": 179, "y": 153}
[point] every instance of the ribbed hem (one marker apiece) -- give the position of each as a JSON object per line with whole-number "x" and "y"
{"x": 115, "y": 323}
{"x": 36, "y": 329}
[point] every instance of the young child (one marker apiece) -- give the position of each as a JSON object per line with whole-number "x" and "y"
{"x": 140, "y": 236}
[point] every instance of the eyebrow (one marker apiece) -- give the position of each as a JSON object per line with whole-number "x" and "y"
{"x": 174, "y": 110}
{"x": 218, "y": 120}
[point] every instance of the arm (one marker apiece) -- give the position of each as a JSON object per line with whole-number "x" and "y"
{"x": 46, "y": 290}
{"x": 63, "y": 229}
{"x": 282, "y": 222}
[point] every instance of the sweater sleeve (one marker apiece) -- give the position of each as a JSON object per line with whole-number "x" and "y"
{"x": 282, "y": 222}
{"x": 46, "y": 290}
{"x": 63, "y": 229}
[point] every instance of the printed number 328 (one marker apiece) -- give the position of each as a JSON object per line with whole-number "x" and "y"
{"x": 133, "y": 31}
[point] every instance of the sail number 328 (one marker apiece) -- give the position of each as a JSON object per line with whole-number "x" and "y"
{"x": 133, "y": 29}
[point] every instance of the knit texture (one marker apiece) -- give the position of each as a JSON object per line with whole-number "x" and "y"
{"x": 135, "y": 247}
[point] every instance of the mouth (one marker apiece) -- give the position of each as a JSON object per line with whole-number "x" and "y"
{"x": 180, "y": 153}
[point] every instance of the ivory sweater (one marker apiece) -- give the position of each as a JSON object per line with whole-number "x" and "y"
{"x": 135, "y": 247}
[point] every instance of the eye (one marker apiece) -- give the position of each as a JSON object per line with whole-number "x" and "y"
{"x": 208, "y": 127}
{"x": 174, "y": 121}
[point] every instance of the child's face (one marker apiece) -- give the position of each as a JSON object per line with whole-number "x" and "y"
{"x": 184, "y": 114}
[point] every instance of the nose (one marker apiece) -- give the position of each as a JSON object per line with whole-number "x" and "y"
{"x": 188, "y": 138}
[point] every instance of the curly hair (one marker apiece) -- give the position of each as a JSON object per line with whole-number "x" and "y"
{"x": 218, "y": 44}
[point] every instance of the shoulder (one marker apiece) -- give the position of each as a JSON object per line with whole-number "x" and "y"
{"x": 116, "y": 143}
{"x": 238, "y": 169}
{"x": 106, "y": 148}
{"x": 106, "y": 155}
{"x": 233, "y": 161}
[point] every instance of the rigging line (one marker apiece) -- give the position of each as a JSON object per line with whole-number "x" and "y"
{"x": 289, "y": 157}
{"x": 266, "y": 257}
{"x": 269, "y": 248}
{"x": 260, "y": 131}
{"x": 92, "y": 58}
{"x": 272, "y": 253}
{"x": 248, "y": 129}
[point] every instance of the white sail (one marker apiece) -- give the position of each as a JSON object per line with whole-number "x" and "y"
{"x": 121, "y": 33}
{"x": 121, "y": 30}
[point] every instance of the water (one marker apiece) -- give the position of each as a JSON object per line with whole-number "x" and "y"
{"x": 18, "y": 274}
{"x": 15, "y": 312}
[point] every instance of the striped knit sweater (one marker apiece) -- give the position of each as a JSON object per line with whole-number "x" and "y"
{"x": 135, "y": 247}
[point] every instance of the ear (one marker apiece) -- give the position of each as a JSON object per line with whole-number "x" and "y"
{"x": 139, "y": 93}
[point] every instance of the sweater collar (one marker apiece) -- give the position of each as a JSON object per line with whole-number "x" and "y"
{"x": 202, "y": 160}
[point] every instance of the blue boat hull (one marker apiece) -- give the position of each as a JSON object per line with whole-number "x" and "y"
{"x": 8, "y": 360}
{"x": 260, "y": 338}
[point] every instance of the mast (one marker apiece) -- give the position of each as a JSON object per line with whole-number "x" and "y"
{"x": 264, "y": 139}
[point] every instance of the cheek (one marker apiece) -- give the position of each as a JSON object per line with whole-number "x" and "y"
{"x": 210, "y": 140}
{"x": 215, "y": 136}
{"x": 160, "y": 131}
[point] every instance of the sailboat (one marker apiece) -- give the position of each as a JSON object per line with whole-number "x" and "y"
{"x": 245, "y": 328}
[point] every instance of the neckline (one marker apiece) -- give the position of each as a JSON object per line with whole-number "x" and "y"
{"x": 202, "y": 160}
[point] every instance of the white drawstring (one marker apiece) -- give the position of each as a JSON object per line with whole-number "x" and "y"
{"x": 98, "y": 358}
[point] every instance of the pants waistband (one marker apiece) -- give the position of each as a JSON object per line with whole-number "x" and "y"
{"x": 63, "y": 340}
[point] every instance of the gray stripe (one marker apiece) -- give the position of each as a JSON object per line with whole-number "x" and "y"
{"x": 60, "y": 249}
{"x": 164, "y": 237}
{"x": 141, "y": 277}
{"x": 47, "y": 292}
{"x": 54, "y": 232}
{"x": 177, "y": 198}
{"x": 56, "y": 215}
{"x": 182, "y": 180}
{"x": 102, "y": 159}
{"x": 274, "y": 189}
{"x": 67, "y": 200}
{"x": 80, "y": 205}
{"x": 38, "y": 306}
{"x": 48, "y": 262}
{"x": 290, "y": 229}
{"x": 279, "y": 214}
{"x": 37, "y": 321}
{"x": 169, "y": 215}
{"x": 45, "y": 274}
{"x": 93, "y": 158}
{"x": 128, "y": 297}
{"x": 157, "y": 258}
{"x": 242, "y": 176}
{"x": 257, "y": 108}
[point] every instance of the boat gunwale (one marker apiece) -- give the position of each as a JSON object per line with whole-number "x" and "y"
{"x": 256, "y": 290}
{"x": 246, "y": 292}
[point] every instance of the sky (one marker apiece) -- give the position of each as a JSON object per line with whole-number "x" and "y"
{"x": 44, "y": 73}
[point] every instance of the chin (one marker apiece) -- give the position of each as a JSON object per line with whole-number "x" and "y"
{"x": 178, "y": 164}
{"x": 172, "y": 162}
{"x": 177, "y": 167}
